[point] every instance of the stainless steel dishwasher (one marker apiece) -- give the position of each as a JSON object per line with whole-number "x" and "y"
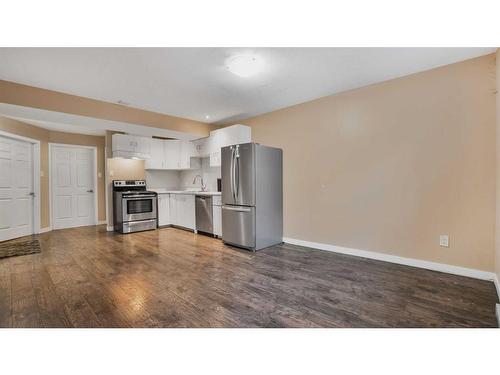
{"x": 204, "y": 214}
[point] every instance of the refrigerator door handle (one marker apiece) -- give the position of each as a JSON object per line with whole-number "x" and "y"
{"x": 232, "y": 175}
{"x": 238, "y": 209}
{"x": 237, "y": 172}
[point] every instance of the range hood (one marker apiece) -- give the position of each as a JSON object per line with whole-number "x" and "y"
{"x": 127, "y": 146}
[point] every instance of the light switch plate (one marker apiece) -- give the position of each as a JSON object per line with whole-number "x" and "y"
{"x": 444, "y": 240}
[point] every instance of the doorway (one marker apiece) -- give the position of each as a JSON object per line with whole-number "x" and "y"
{"x": 73, "y": 185}
{"x": 19, "y": 186}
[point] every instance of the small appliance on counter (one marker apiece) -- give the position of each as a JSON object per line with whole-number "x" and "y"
{"x": 252, "y": 196}
{"x": 134, "y": 207}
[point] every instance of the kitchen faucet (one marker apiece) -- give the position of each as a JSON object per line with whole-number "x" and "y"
{"x": 203, "y": 186}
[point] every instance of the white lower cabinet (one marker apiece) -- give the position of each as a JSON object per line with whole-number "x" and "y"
{"x": 217, "y": 219}
{"x": 173, "y": 209}
{"x": 164, "y": 209}
{"x": 217, "y": 215}
{"x": 182, "y": 210}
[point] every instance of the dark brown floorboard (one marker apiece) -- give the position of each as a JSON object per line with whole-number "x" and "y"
{"x": 87, "y": 277}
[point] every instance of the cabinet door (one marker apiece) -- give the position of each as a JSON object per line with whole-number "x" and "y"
{"x": 187, "y": 150}
{"x": 172, "y": 154}
{"x": 217, "y": 218}
{"x": 190, "y": 212}
{"x": 142, "y": 145}
{"x": 180, "y": 200}
{"x": 186, "y": 210}
{"x": 163, "y": 209}
{"x": 202, "y": 147}
{"x": 173, "y": 209}
{"x": 157, "y": 155}
{"x": 216, "y": 142}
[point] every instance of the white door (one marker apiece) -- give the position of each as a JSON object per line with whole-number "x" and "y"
{"x": 73, "y": 190}
{"x": 16, "y": 188}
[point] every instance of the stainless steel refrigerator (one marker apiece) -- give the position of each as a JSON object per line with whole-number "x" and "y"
{"x": 252, "y": 196}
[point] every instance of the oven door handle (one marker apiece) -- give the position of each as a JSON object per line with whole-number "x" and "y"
{"x": 139, "y": 196}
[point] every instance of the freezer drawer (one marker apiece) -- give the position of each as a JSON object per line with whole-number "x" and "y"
{"x": 238, "y": 226}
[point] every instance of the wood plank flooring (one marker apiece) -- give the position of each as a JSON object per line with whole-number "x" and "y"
{"x": 87, "y": 277}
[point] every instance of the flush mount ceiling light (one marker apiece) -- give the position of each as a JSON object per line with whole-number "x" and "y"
{"x": 244, "y": 65}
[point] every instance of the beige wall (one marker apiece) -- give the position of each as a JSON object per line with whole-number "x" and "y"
{"x": 45, "y": 137}
{"x": 28, "y": 96}
{"x": 497, "y": 260}
{"x": 390, "y": 167}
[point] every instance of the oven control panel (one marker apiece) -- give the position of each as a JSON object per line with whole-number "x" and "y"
{"x": 127, "y": 183}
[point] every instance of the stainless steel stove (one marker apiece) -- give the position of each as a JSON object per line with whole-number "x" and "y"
{"x": 134, "y": 207}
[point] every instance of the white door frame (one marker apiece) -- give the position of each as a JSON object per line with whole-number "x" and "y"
{"x": 36, "y": 176}
{"x": 96, "y": 191}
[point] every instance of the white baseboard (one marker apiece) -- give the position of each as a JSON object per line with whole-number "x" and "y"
{"x": 45, "y": 230}
{"x": 110, "y": 228}
{"x": 456, "y": 270}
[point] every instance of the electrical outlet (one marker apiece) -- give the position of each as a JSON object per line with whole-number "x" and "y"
{"x": 99, "y": 175}
{"x": 444, "y": 240}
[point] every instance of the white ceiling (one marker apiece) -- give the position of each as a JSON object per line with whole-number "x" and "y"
{"x": 193, "y": 82}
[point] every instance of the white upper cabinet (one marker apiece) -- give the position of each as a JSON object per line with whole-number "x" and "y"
{"x": 157, "y": 155}
{"x": 131, "y": 146}
{"x": 188, "y": 151}
{"x": 172, "y": 154}
{"x": 178, "y": 155}
{"x": 202, "y": 147}
{"x": 231, "y": 135}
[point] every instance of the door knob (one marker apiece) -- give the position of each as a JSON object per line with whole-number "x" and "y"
{"x": 32, "y": 194}
{"x": 90, "y": 191}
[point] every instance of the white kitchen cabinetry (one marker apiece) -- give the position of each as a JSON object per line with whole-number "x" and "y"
{"x": 131, "y": 146}
{"x": 173, "y": 209}
{"x": 188, "y": 151}
{"x": 202, "y": 147}
{"x": 182, "y": 210}
{"x": 217, "y": 215}
{"x": 173, "y": 154}
{"x": 156, "y": 161}
{"x": 231, "y": 135}
{"x": 163, "y": 209}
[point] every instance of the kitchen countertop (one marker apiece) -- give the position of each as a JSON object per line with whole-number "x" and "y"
{"x": 190, "y": 192}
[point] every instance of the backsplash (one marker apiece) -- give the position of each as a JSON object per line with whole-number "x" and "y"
{"x": 184, "y": 179}
{"x": 209, "y": 174}
{"x": 163, "y": 179}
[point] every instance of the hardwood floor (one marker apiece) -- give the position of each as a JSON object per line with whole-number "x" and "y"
{"x": 87, "y": 277}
